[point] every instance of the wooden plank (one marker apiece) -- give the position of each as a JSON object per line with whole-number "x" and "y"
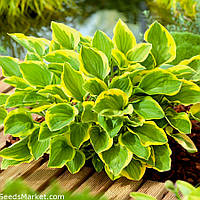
{"x": 41, "y": 177}
{"x": 122, "y": 188}
{"x": 23, "y": 170}
{"x": 154, "y": 189}
{"x": 169, "y": 196}
{"x": 98, "y": 183}
{"x": 4, "y": 87}
{"x": 70, "y": 182}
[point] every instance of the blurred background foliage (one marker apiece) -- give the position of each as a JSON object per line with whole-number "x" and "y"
{"x": 33, "y": 17}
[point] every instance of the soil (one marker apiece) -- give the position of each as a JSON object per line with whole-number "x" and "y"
{"x": 185, "y": 166}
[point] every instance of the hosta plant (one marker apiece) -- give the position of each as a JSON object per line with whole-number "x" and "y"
{"x": 108, "y": 101}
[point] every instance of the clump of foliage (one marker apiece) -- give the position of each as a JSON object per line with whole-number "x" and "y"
{"x": 106, "y": 100}
{"x": 188, "y": 191}
{"x": 19, "y": 190}
{"x": 187, "y": 45}
{"x": 13, "y": 8}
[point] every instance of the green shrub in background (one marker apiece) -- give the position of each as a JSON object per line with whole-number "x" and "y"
{"x": 181, "y": 190}
{"x": 105, "y": 100}
{"x": 19, "y": 190}
{"x": 13, "y": 8}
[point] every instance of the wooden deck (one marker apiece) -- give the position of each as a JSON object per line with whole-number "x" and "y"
{"x": 38, "y": 176}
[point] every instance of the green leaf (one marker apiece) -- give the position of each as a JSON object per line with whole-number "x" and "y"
{"x": 111, "y": 125}
{"x": 10, "y": 66}
{"x": 62, "y": 56}
{"x": 3, "y": 114}
{"x": 145, "y": 134}
{"x": 133, "y": 144}
{"x": 60, "y": 115}
{"x": 72, "y": 82}
{"x": 103, "y": 43}
{"x": 119, "y": 58}
{"x": 79, "y": 134}
{"x": 94, "y": 63}
{"x": 160, "y": 81}
{"x": 65, "y": 35}
{"x": 18, "y": 151}
{"x": 163, "y": 44}
{"x": 99, "y": 139}
{"x": 36, "y": 73}
{"x": 95, "y": 86}
{"x": 3, "y": 98}
{"x": 179, "y": 121}
{"x": 148, "y": 108}
{"x": 37, "y": 148}
{"x": 76, "y": 163}
{"x": 134, "y": 171}
{"x": 60, "y": 152}
{"x": 188, "y": 94}
{"x": 16, "y": 82}
{"x": 185, "y": 188}
{"x": 185, "y": 142}
{"x": 182, "y": 72}
{"x": 32, "y": 44}
{"x": 116, "y": 158}
{"x": 111, "y": 102}
{"x": 97, "y": 163}
{"x": 88, "y": 115}
{"x": 123, "y": 38}
{"x": 32, "y": 56}
{"x": 141, "y": 196}
{"x": 7, "y": 163}
{"x": 195, "y": 111}
{"x": 123, "y": 83}
{"x": 45, "y": 133}
{"x": 162, "y": 157}
{"x": 139, "y": 53}
{"x": 56, "y": 68}
{"x": 18, "y": 123}
{"x": 54, "y": 90}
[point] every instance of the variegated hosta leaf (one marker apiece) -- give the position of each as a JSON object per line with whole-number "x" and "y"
{"x": 10, "y": 66}
{"x": 145, "y": 134}
{"x": 16, "y": 82}
{"x": 111, "y": 125}
{"x": 72, "y": 82}
{"x": 3, "y": 114}
{"x": 65, "y": 36}
{"x": 179, "y": 121}
{"x": 134, "y": 171}
{"x": 79, "y": 133}
{"x": 32, "y": 44}
{"x": 100, "y": 139}
{"x": 94, "y": 63}
{"x": 116, "y": 158}
{"x": 123, "y": 83}
{"x": 95, "y": 86}
{"x": 162, "y": 157}
{"x": 139, "y": 53}
{"x": 18, "y": 151}
{"x": 88, "y": 115}
{"x": 148, "y": 108}
{"x": 163, "y": 44}
{"x": 60, "y": 115}
{"x": 133, "y": 144}
{"x": 103, "y": 43}
{"x": 76, "y": 163}
{"x": 185, "y": 142}
{"x": 62, "y": 56}
{"x": 160, "y": 82}
{"x": 111, "y": 102}
{"x": 119, "y": 59}
{"x": 123, "y": 38}
{"x": 195, "y": 111}
{"x": 188, "y": 94}
{"x": 18, "y": 123}
{"x": 60, "y": 152}
{"x": 97, "y": 163}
